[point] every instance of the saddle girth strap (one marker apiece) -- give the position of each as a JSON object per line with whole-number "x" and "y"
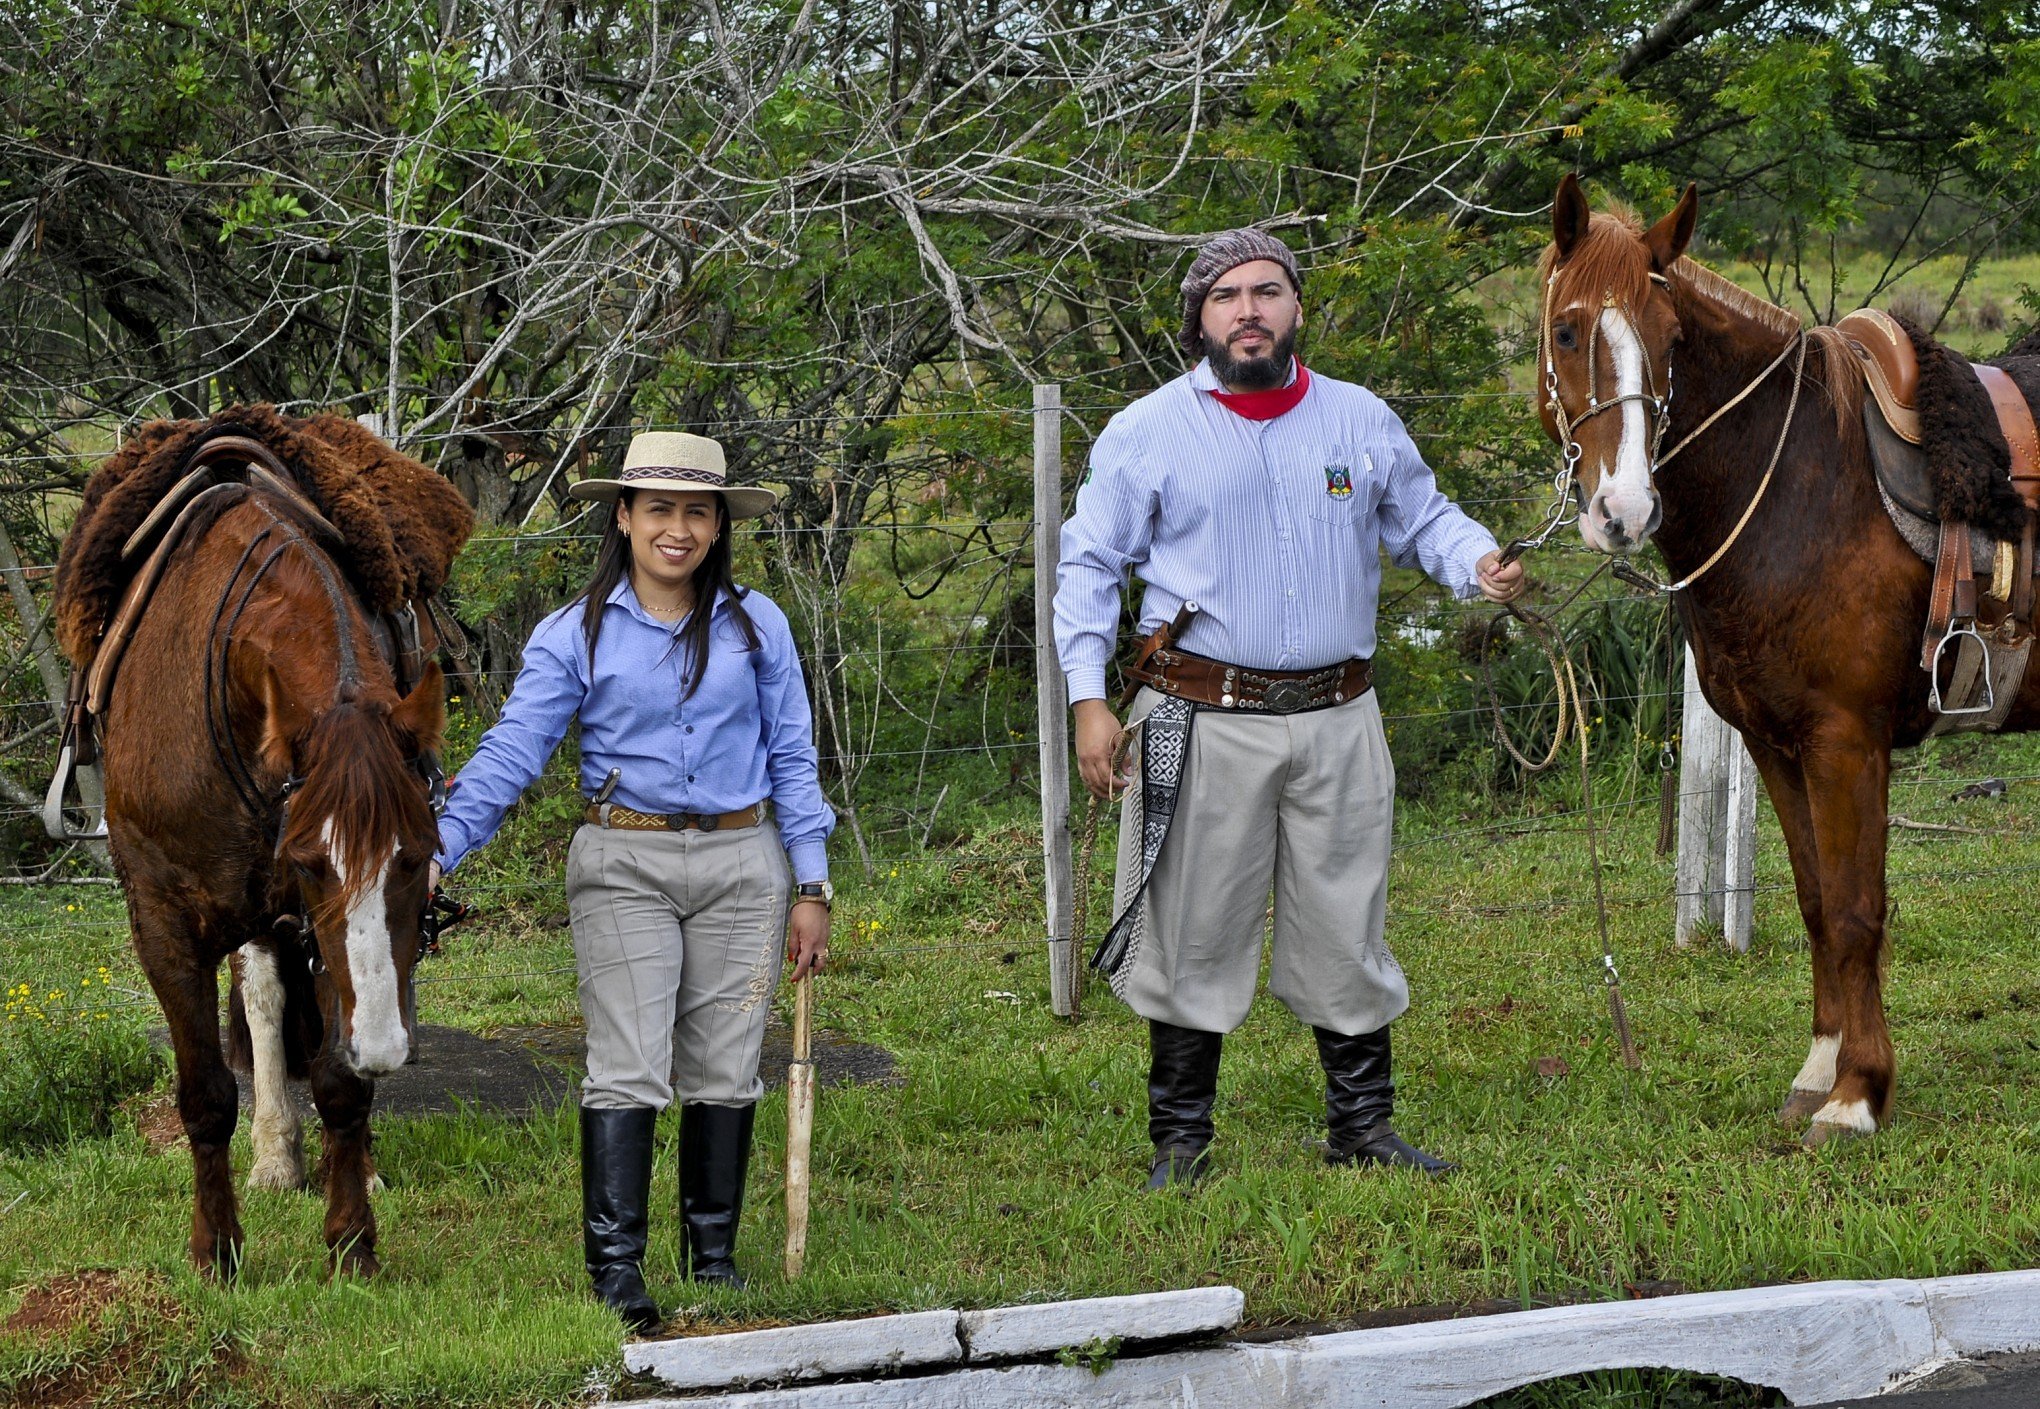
{"x": 1953, "y": 597}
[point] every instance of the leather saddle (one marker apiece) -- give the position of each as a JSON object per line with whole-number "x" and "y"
{"x": 1989, "y": 663}
{"x": 221, "y": 465}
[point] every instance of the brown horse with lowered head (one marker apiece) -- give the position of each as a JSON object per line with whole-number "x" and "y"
{"x": 1803, "y": 604}
{"x": 265, "y": 799}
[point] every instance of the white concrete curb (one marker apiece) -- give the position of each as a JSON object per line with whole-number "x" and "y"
{"x": 1814, "y": 1341}
{"x": 1011, "y": 1332}
{"x": 885, "y": 1343}
{"x": 800, "y": 1352}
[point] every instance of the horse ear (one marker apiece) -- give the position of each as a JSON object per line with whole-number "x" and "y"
{"x": 422, "y": 713}
{"x": 1568, "y": 215}
{"x": 284, "y": 721}
{"x": 1669, "y": 237}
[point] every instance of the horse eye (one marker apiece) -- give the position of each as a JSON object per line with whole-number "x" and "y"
{"x": 1564, "y": 336}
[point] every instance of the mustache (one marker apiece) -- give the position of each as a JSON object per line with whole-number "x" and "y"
{"x": 1260, "y": 328}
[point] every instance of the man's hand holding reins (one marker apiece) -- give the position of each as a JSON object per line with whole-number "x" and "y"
{"x": 1097, "y": 741}
{"x": 1499, "y": 581}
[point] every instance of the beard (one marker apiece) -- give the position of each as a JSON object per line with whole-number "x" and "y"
{"x": 1264, "y": 373}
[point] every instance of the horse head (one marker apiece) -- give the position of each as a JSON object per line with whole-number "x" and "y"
{"x": 356, "y": 844}
{"x": 1607, "y": 330}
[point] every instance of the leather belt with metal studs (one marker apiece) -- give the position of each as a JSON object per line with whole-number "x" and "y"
{"x": 1237, "y": 687}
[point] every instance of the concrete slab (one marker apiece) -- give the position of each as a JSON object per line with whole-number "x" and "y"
{"x": 1985, "y": 1314}
{"x": 876, "y": 1345}
{"x": 1014, "y": 1332}
{"x": 1816, "y": 1342}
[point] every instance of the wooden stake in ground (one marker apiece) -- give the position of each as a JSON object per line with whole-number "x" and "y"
{"x": 800, "y": 1128}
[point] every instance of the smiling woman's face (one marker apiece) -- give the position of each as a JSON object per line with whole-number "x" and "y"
{"x": 669, "y": 534}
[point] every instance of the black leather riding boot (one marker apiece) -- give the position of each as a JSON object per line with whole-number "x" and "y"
{"x": 1182, "y": 1084}
{"x": 616, "y": 1187}
{"x": 715, "y": 1153}
{"x": 1360, "y": 1099}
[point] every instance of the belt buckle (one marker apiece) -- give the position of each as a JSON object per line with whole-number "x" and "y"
{"x": 1285, "y": 696}
{"x": 700, "y": 821}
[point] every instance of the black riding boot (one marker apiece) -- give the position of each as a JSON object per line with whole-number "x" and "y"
{"x": 616, "y": 1187}
{"x": 1359, "y": 1099}
{"x": 715, "y": 1152}
{"x": 1182, "y": 1084}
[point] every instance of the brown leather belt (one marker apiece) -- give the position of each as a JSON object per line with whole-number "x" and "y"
{"x": 1223, "y": 686}
{"x": 629, "y": 820}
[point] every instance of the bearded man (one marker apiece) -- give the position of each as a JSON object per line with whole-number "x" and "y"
{"x": 1252, "y": 498}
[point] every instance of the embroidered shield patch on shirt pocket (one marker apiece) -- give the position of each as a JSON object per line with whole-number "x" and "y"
{"x": 1346, "y": 474}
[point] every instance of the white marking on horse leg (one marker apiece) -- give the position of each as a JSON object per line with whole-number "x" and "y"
{"x": 279, "y": 1151}
{"x": 1819, "y": 1072}
{"x": 1847, "y": 1115}
{"x": 379, "y": 1043}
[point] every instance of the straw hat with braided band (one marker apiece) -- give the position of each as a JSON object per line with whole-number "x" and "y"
{"x": 681, "y": 463}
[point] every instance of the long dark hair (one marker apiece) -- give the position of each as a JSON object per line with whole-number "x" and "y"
{"x": 712, "y": 580}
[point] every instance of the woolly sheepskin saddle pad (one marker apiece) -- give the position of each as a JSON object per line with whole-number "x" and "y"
{"x": 400, "y": 522}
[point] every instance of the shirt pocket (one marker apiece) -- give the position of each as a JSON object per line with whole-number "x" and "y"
{"x": 1340, "y": 486}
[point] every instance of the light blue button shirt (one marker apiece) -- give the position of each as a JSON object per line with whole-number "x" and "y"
{"x": 745, "y": 735}
{"x": 1274, "y": 528}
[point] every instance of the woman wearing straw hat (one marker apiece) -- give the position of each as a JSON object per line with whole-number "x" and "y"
{"x": 693, "y": 712}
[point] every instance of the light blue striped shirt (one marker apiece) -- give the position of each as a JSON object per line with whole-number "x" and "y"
{"x": 745, "y": 735}
{"x": 1274, "y": 528}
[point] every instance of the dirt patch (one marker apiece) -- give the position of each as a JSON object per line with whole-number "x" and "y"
{"x": 158, "y": 1122}
{"x": 71, "y": 1300}
{"x": 115, "y": 1323}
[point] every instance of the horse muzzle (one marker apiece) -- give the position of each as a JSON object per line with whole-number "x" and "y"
{"x": 1621, "y": 522}
{"x": 377, "y": 1056}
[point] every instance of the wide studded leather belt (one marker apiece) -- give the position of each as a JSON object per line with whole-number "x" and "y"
{"x": 630, "y": 820}
{"x": 1237, "y": 687}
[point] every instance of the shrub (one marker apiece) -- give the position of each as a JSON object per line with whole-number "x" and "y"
{"x": 67, "y": 1061}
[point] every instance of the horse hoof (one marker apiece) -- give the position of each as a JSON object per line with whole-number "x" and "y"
{"x": 283, "y": 1176}
{"x": 1838, "y": 1119}
{"x": 1800, "y": 1106}
{"x": 355, "y": 1262}
{"x": 220, "y": 1262}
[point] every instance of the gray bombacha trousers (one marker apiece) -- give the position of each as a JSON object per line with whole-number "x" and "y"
{"x": 678, "y": 939}
{"x": 1300, "y": 804}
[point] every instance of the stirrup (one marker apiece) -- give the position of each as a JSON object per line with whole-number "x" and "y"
{"x": 1934, "y": 673}
{"x": 57, "y": 826}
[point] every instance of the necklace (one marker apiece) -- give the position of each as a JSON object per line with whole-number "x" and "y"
{"x": 680, "y": 610}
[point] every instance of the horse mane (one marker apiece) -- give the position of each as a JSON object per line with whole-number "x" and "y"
{"x": 358, "y": 781}
{"x": 401, "y": 523}
{"x": 1613, "y": 256}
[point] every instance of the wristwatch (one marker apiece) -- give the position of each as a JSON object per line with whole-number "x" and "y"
{"x": 816, "y": 890}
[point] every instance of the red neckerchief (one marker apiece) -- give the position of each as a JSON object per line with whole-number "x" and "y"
{"x": 1266, "y": 405}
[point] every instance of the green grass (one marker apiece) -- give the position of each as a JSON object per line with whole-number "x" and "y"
{"x": 1005, "y": 1164}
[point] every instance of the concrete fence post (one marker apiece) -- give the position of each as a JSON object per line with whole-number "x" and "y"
{"x": 1717, "y": 825}
{"x": 1052, "y": 708}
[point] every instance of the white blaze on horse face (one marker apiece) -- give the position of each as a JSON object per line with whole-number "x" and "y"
{"x": 378, "y": 1044}
{"x": 1819, "y": 1072}
{"x": 279, "y": 1155}
{"x": 1624, "y": 509}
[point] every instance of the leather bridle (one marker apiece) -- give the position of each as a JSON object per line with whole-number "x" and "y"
{"x": 1660, "y": 408}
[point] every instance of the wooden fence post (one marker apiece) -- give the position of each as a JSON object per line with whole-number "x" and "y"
{"x": 1717, "y": 825}
{"x": 1052, "y": 706}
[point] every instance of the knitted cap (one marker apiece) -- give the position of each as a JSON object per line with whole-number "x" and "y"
{"x": 1223, "y": 252}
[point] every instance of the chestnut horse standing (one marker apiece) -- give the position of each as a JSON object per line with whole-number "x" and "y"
{"x": 1806, "y": 630}
{"x": 260, "y": 767}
